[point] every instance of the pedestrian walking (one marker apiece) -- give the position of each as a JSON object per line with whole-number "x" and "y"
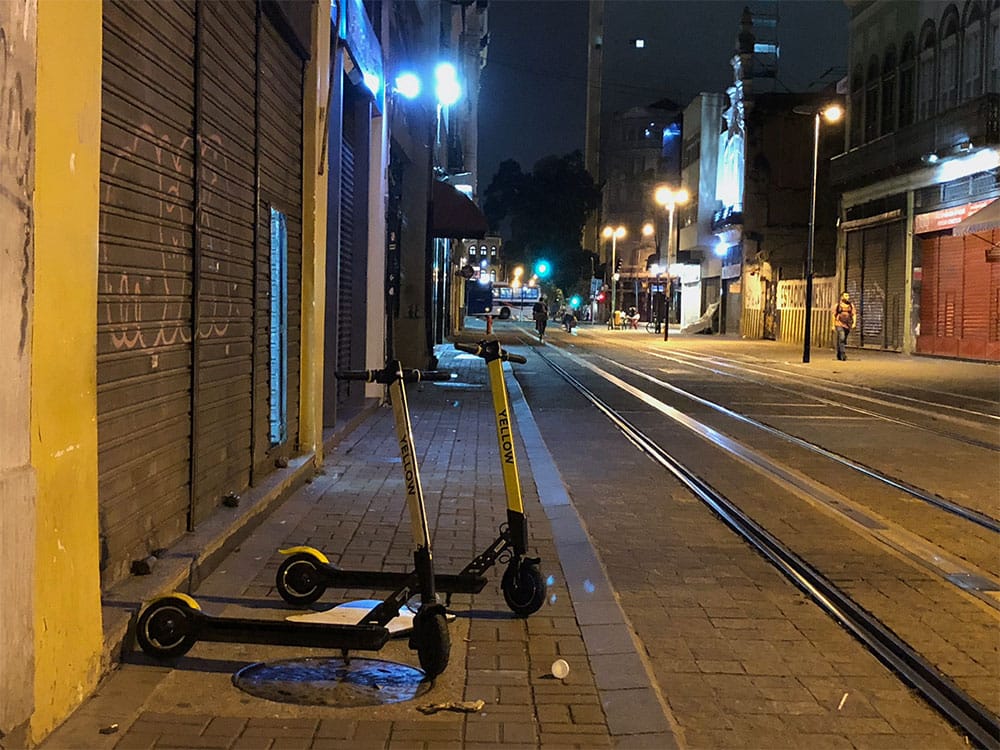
{"x": 844, "y": 318}
{"x": 540, "y": 314}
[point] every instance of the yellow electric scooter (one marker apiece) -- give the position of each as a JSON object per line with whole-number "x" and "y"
{"x": 307, "y": 573}
{"x": 170, "y": 626}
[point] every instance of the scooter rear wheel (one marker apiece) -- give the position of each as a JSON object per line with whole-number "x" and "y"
{"x": 431, "y": 640}
{"x": 165, "y": 629}
{"x": 523, "y": 587}
{"x": 299, "y": 579}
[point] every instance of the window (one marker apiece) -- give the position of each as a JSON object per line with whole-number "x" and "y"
{"x": 972, "y": 57}
{"x": 279, "y": 328}
{"x": 925, "y": 73}
{"x": 871, "y": 100}
{"x": 907, "y": 82}
{"x": 889, "y": 91}
{"x": 948, "y": 65}
{"x": 857, "y": 105}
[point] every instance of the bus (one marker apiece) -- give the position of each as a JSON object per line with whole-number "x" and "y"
{"x": 514, "y": 302}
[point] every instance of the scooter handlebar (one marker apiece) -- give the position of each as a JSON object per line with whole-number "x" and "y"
{"x": 386, "y": 376}
{"x": 480, "y": 351}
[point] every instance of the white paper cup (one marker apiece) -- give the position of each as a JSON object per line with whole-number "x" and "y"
{"x": 560, "y": 668}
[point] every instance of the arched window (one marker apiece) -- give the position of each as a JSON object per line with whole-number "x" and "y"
{"x": 907, "y": 83}
{"x": 925, "y": 72}
{"x": 993, "y": 63}
{"x": 871, "y": 100}
{"x": 889, "y": 91}
{"x": 948, "y": 60}
{"x": 857, "y": 104}
{"x": 972, "y": 52}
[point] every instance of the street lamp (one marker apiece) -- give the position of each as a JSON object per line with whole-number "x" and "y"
{"x": 670, "y": 199}
{"x": 516, "y": 284}
{"x": 831, "y": 113}
{"x": 613, "y": 233}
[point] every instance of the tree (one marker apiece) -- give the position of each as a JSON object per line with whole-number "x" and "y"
{"x": 545, "y": 212}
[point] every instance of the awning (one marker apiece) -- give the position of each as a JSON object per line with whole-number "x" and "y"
{"x": 983, "y": 220}
{"x": 454, "y": 215}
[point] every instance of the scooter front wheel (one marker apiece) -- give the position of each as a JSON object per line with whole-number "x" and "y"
{"x": 299, "y": 579}
{"x": 165, "y": 629}
{"x": 431, "y": 640}
{"x": 523, "y": 587}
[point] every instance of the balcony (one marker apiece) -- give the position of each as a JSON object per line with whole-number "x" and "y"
{"x": 977, "y": 120}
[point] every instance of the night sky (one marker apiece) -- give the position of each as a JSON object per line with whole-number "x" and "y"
{"x": 533, "y": 97}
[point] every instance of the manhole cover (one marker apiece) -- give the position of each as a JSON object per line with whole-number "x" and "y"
{"x": 332, "y": 682}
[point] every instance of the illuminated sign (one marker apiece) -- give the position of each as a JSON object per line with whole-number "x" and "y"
{"x": 935, "y": 221}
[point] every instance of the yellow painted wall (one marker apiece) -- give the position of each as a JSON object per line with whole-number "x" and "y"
{"x": 314, "y": 209}
{"x": 68, "y": 636}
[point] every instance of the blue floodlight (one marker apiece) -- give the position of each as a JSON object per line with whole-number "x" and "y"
{"x": 721, "y": 249}
{"x": 408, "y": 84}
{"x": 446, "y": 86}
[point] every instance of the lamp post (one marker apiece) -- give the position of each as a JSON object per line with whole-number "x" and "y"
{"x": 613, "y": 233}
{"x": 670, "y": 199}
{"x": 830, "y": 113}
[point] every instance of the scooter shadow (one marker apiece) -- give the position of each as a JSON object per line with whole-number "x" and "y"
{"x": 187, "y": 663}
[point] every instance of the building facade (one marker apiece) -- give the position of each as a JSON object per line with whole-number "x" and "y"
{"x": 640, "y": 150}
{"x": 923, "y": 151}
{"x": 253, "y": 221}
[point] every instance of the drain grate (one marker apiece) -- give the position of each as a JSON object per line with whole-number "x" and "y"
{"x": 332, "y": 682}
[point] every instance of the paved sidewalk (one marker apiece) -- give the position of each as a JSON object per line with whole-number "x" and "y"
{"x": 354, "y": 512}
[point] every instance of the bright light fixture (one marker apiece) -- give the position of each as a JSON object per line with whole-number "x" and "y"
{"x": 447, "y": 88}
{"x": 647, "y": 229}
{"x": 833, "y": 113}
{"x": 408, "y": 85}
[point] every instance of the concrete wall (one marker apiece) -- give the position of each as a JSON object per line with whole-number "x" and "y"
{"x": 17, "y": 477}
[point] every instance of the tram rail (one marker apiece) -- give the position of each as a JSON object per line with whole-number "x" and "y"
{"x": 980, "y": 725}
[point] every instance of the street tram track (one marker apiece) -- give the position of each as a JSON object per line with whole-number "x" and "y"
{"x": 980, "y": 725}
{"x": 689, "y": 361}
{"x": 968, "y": 514}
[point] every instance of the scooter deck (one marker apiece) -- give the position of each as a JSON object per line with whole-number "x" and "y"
{"x": 361, "y": 637}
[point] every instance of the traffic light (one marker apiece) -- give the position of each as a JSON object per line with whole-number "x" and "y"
{"x": 618, "y": 265}
{"x": 542, "y": 269}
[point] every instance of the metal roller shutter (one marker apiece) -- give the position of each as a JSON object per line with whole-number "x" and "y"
{"x": 145, "y": 279}
{"x": 855, "y": 277}
{"x": 895, "y": 286}
{"x": 224, "y": 261}
{"x": 345, "y": 282}
{"x": 280, "y": 73}
{"x": 872, "y": 310}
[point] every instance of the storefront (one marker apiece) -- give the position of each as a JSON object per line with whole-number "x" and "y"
{"x": 960, "y": 281}
{"x": 875, "y": 277}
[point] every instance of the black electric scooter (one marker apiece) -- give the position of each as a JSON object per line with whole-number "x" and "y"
{"x": 170, "y": 626}
{"x": 307, "y": 572}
